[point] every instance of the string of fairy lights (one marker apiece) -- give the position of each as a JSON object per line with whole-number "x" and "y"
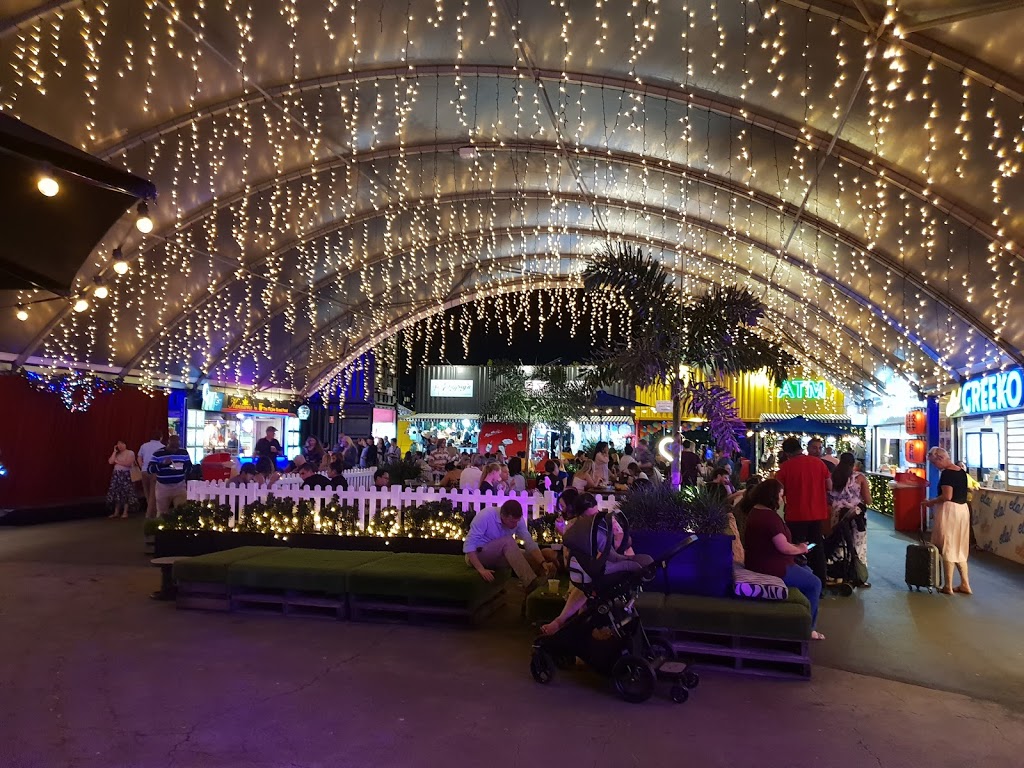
{"x": 391, "y": 157}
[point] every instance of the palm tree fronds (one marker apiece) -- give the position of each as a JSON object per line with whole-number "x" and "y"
{"x": 718, "y": 406}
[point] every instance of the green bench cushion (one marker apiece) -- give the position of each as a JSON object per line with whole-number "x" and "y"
{"x": 214, "y": 566}
{"x": 788, "y": 619}
{"x": 424, "y": 576}
{"x": 308, "y": 570}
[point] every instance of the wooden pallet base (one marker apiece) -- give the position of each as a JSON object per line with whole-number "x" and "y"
{"x": 735, "y": 653}
{"x": 407, "y": 609}
{"x": 222, "y": 597}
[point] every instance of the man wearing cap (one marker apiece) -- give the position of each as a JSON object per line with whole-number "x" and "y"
{"x": 268, "y": 447}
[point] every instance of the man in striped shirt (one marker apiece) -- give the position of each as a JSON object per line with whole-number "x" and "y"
{"x": 171, "y": 466}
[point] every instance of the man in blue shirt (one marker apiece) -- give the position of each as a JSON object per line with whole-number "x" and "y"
{"x": 171, "y": 466}
{"x": 491, "y": 543}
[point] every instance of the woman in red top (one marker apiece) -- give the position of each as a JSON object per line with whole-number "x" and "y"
{"x": 770, "y": 549}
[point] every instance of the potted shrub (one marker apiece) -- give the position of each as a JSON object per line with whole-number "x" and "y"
{"x": 659, "y": 518}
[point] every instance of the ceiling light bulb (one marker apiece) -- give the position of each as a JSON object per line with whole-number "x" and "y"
{"x": 120, "y": 265}
{"x": 22, "y": 313}
{"x": 100, "y": 291}
{"x": 81, "y": 305}
{"x": 47, "y": 185}
{"x": 144, "y": 224}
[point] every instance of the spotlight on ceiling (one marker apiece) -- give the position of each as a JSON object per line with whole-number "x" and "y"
{"x": 22, "y": 313}
{"x": 47, "y": 185}
{"x": 100, "y": 291}
{"x": 120, "y": 265}
{"x": 144, "y": 224}
{"x": 81, "y": 305}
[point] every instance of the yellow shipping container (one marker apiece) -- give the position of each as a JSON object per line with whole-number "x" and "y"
{"x": 801, "y": 395}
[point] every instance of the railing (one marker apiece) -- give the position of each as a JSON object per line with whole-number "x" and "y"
{"x": 368, "y": 501}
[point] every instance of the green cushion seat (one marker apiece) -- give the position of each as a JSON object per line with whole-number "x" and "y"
{"x": 788, "y": 619}
{"x": 308, "y": 570}
{"x": 423, "y": 576}
{"x": 214, "y": 566}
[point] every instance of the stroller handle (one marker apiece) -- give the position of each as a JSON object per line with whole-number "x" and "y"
{"x": 679, "y": 547}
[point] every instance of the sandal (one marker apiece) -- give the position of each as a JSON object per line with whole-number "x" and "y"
{"x": 946, "y": 591}
{"x": 961, "y": 591}
{"x": 816, "y": 635}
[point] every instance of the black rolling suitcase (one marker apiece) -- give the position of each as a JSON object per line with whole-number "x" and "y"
{"x": 922, "y": 569}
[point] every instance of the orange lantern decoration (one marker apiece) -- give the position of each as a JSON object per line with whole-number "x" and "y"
{"x": 919, "y": 471}
{"x": 914, "y": 451}
{"x": 916, "y": 423}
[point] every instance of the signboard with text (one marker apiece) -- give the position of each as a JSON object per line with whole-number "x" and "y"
{"x": 451, "y": 387}
{"x": 802, "y": 389}
{"x": 991, "y": 393}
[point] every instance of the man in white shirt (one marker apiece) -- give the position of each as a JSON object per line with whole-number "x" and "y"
{"x": 491, "y": 543}
{"x": 470, "y": 478}
{"x": 626, "y": 459}
{"x": 143, "y": 456}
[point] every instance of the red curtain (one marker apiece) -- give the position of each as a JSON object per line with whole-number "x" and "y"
{"x": 53, "y": 455}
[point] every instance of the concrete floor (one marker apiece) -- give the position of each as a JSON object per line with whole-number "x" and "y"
{"x": 95, "y": 674}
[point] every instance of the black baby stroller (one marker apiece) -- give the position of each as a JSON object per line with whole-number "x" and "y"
{"x": 607, "y": 633}
{"x": 842, "y": 567}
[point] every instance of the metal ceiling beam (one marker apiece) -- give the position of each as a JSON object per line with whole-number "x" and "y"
{"x": 664, "y": 245}
{"x": 968, "y": 13}
{"x": 430, "y": 308}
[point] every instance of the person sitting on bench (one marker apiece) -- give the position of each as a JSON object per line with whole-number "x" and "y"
{"x": 491, "y": 543}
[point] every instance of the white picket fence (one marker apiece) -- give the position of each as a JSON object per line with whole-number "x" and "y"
{"x": 370, "y": 500}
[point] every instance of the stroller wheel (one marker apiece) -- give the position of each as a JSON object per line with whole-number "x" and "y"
{"x": 691, "y": 680}
{"x": 679, "y": 694}
{"x": 542, "y": 667}
{"x": 634, "y": 678}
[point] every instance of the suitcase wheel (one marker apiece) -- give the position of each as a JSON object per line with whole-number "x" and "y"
{"x": 929, "y": 590}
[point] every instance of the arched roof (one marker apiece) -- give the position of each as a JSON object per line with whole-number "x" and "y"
{"x": 332, "y": 171}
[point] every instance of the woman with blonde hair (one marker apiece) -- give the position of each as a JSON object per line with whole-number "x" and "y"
{"x": 951, "y": 530}
{"x": 584, "y": 477}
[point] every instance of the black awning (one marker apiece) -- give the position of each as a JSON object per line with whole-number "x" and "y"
{"x": 45, "y": 240}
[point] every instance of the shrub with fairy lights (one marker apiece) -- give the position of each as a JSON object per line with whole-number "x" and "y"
{"x": 430, "y": 520}
{"x": 543, "y": 529}
{"x": 197, "y": 516}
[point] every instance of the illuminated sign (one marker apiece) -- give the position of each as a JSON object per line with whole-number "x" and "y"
{"x": 801, "y": 389}
{"x": 302, "y": 412}
{"x": 993, "y": 392}
{"x": 243, "y": 404}
{"x": 451, "y": 387}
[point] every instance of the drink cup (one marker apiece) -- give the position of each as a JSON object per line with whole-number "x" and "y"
{"x": 553, "y": 585}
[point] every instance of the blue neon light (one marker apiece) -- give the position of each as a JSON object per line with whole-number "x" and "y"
{"x": 993, "y": 392}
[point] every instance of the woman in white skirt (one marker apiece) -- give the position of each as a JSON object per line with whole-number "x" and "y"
{"x": 951, "y": 531}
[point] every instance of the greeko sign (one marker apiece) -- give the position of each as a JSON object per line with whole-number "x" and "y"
{"x": 993, "y": 392}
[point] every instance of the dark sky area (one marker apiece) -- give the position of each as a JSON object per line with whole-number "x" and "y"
{"x": 488, "y": 342}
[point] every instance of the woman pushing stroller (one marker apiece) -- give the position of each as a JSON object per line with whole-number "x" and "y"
{"x": 621, "y": 558}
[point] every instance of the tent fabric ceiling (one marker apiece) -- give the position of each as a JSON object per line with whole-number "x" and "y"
{"x": 856, "y": 164}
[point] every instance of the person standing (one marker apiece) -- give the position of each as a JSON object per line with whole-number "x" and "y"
{"x": 689, "y": 464}
{"x": 393, "y": 455}
{"x": 121, "y": 493}
{"x": 807, "y": 482}
{"x": 601, "y": 461}
{"x": 951, "y": 531}
{"x": 146, "y": 451}
{"x": 851, "y": 494}
{"x": 171, "y": 466}
{"x": 267, "y": 447}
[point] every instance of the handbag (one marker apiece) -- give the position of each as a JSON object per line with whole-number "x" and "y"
{"x": 135, "y": 473}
